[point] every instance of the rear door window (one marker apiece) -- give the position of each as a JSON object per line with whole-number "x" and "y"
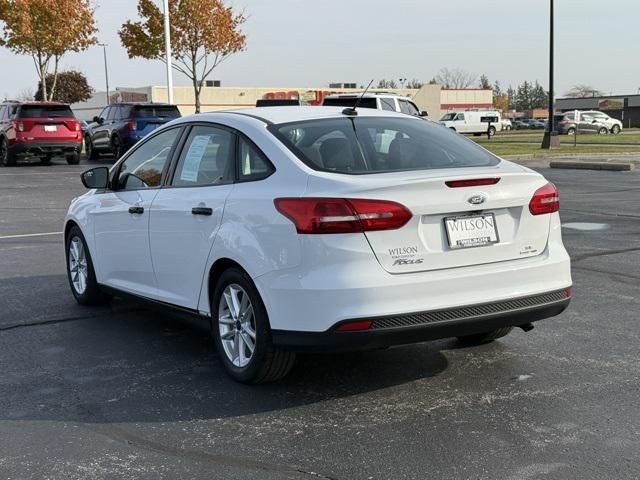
{"x": 388, "y": 104}
{"x": 404, "y": 107}
{"x": 48, "y": 111}
{"x": 205, "y": 158}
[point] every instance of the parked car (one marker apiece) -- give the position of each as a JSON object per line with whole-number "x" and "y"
{"x": 506, "y": 124}
{"x": 537, "y": 124}
{"x": 613, "y": 124}
{"x": 567, "y": 124}
{"x": 121, "y": 125}
{"x": 520, "y": 124}
{"x": 380, "y": 101}
{"x": 289, "y": 228}
{"x": 38, "y": 129}
{"x": 473, "y": 121}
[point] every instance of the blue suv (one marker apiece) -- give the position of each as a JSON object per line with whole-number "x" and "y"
{"x": 121, "y": 125}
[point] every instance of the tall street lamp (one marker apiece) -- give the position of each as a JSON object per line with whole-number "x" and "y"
{"x": 106, "y": 69}
{"x": 550, "y": 139}
{"x": 167, "y": 49}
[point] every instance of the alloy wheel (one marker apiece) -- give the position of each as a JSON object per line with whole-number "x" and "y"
{"x": 78, "y": 265}
{"x": 236, "y": 324}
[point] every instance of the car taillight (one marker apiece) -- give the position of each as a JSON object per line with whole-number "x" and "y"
{"x": 474, "y": 182}
{"x": 545, "y": 200}
{"x": 133, "y": 126}
{"x": 77, "y": 126}
{"x": 341, "y": 215}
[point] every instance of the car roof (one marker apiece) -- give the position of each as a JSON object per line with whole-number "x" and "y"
{"x": 366, "y": 95}
{"x": 36, "y": 103}
{"x": 293, "y": 114}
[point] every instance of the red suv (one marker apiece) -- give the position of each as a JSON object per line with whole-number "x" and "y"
{"x": 38, "y": 129}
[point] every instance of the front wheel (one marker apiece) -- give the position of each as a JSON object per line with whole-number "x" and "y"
{"x": 80, "y": 271}
{"x": 571, "y": 131}
{"x": 241, "y": 332}
{"x": 486, "y": 337}
{"x": 616, "y": 129}
{"x": 492, "y": 131}
{"x": 90, "y": 151}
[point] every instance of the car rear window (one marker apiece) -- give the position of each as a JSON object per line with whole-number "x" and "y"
{"x": 156, "y": 111}
{"x": 363, "y": 145}
{"x": 349, "y": 102}
{"x": 49, "y": 111}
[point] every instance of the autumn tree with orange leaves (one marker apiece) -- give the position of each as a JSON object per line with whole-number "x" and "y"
{"x": 46, "y": 30}
{"x": 204, "y": 33}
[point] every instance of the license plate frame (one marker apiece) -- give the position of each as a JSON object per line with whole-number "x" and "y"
{"x": 51, "y": 128}
{"x": 480, "y": 241}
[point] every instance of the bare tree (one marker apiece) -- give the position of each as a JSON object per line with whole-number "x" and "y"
{"x": 455, "y": 78}
{"x": 581, "y": 91}
{"x": 26, "y": 95}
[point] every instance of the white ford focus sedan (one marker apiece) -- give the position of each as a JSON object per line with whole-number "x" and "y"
{"x": 291, "y": 228}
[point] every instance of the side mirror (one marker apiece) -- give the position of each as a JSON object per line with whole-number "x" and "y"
{"x": 424, "y": 113}
{"x": 96, "y": 120}
{"x": 96, "y": 178}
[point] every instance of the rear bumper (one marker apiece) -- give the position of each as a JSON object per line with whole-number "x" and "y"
{"x": 431, "y": 325}
{"x": 26, "y": 149}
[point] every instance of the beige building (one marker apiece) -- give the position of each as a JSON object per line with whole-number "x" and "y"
{"x": 432, "y": 98}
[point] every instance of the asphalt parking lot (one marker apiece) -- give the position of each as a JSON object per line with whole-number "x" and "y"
{"x": 123, "y": 392}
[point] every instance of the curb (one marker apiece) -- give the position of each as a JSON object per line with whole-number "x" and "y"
{"x": 616, "y": 167}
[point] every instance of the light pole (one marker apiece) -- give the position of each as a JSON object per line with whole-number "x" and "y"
{"x": 106, "y": 69}
{"x": 550, "y": 139}
{"x": 167, "y": 49}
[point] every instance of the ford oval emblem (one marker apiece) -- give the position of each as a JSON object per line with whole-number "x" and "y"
{"x": 476, "y": 199}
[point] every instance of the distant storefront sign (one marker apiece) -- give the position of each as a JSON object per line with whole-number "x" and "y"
{"x": 611, "y": 104}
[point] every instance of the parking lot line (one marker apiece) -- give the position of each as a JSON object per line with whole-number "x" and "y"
{"x": 25, "y": 235}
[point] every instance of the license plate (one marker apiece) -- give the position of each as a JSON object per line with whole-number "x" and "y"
{"x": 50, "y": 128}
{"x": 471, "y": 230}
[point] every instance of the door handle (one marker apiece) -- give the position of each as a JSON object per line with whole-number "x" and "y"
{"x": 136, "y": 210}
{"x": 202, "y": 211}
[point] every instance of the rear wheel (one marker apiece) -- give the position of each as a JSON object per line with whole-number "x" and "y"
{"x": 241, "y": 332}
{"x": 73, "y": 159}
{"x": 603, "y": 131}
{"x": 571, "y": 131}
{"x": 91, "y": 152}
{"x": 616, "y": 129}
{"x": 492, "y": 131}
{"x": 116, "y": 147}
{"x": 486, "y": 337}
{"x": 6, "y": 157}
{"x": 80, "y": 272}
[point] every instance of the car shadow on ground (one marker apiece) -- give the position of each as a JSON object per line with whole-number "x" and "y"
{"x": 137, "y": 365}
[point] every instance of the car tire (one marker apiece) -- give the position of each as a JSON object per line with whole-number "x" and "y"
{"x": 452, "y": 128}
{"x": 116, "y": 147}
{"x": 73, "y": 159}
{"x": 237, "y": 314}
{"x": 486, "y": 337}
{"x": 571, "y": 131}
{"x": 7, "y": 159}
{"x": 492, "y": 131}
{"x": 507, "y": 128}
{"x": 80, "y": 271}
{"x": 90, "y": 151}
{"x": 603, "y": 131}
{"x": 46, "y": 160}
{"x": 615, "y": 129}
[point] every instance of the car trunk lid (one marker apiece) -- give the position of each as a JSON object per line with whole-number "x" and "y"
{"x": 423, "y": 244}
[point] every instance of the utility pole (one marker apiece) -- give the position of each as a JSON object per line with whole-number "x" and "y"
{"x": 167, "y": 48}
{"x": 106, "y": 70}
{"x": 550, "y": 139}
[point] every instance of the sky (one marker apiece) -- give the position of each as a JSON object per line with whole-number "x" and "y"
{"x": 299, "y": 43}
